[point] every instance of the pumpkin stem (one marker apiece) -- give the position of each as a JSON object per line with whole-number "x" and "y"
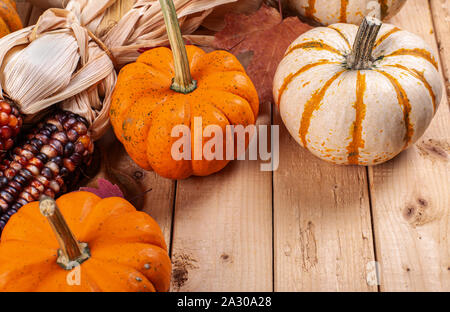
{"x": 183, "y": 81}
{"x": 72, "y": 253}
{"x": 361, "y": 56}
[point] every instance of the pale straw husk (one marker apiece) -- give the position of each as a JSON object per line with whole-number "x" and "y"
{"x": 68, "y": 58}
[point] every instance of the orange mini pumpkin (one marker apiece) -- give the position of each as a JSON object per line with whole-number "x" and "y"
{"x": 148, "y": 104}
{"x": 120, "y": 249}
{"x": 9, "y": 19}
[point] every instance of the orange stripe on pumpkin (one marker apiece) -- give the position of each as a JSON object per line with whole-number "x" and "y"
{"x": 343, "y": 16}
{"x": 342, "y": 35}
{"x": 356, "y": 130}
{"x": 420, "y": 76}
{"x": 312, "y": 105}
{"x": 313, "y": 45}
{"x": 385, "y": 36}
{"x": 291, "y": 77}
{"x": 416, "y": 52}
{"x": 405, "y": 105}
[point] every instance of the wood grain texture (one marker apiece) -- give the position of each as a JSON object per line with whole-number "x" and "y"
{"x": 222, "y": 238}
{"x": 323, "y": 236}
{"x": 411, "y": 195}
{"x": 440, "y": 10}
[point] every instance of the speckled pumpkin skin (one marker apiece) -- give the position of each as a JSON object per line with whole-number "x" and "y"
{"x": 9, "y": 19}
{"x": 144, "y": 109}
{"x": 128, "y": 252}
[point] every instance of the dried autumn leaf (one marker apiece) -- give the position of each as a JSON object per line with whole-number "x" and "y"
{"x": 105, "y": 189}
{"x": 215, "y": 21}
{"x": 260, "y": 40}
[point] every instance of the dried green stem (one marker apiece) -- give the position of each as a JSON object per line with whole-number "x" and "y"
{"x": 182, "y": 81}
{"x": 71, "y": 252}
{"x": 361, "y": 56}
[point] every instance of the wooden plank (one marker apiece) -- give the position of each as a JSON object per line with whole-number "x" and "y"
{"x": 222, "y": 238}
{"x": 411, "y": 195}
{"x": 322, "y": 223}
{"x": 441, "y": 18}
{"x": 323, "y": 237}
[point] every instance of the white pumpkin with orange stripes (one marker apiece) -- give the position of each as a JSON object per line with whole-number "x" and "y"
{"x": 357, "y": 96}
{"x": 329, "y": 12}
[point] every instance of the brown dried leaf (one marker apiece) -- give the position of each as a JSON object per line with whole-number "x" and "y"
{"x": 260, "y": 40}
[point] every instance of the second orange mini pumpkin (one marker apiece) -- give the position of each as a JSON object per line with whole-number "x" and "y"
{"x": 145, "y": 108}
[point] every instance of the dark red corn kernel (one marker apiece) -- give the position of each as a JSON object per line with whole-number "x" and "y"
{"x": 50, "y": 193}
{"x": 49, "y": 151}
{"x": 47, "y": 173}
{"x": 80, "y": 128}
{"x": 11, "y": 212}
{"x": 38, "y": 185}
{"x": 16, "y": 206}
{"x": 9, "y": 143}
{"x": 58, "y": 161}
{"x": 3, "y": 205}
{"x": 55, "y": 187}
{"x": 36, "y": 146}
{"x": 76, "y": 159}
{"x": 57, "y": 145}
{"x": 20, "y": 179}
{"x": 33, "y": 169}
{"x": 27, "y": 154}
{"x": 69, "y": 165}
{"x": 17, "y": 164}
{"x": 12, "y": 191}
{"x": 43, "y": 137}
{"x": 10, "y": 125}
{"x": 60, "y": 180}
{"x": 36, "y": 162}
{"x": 22, "y": 201}
{"x": 15, "y": 185}
{"x": 61, "y": 137}
{"x": 26, "y": 174}
{"x": 6, "y": 197}
{"x": 68, "y": 149}
{"x": 42, "y": 158}
{"x": 3, "y": 181}
{"x": 68, "y": 124}
{"x": 43, "y": 180}
{"x": 72, "y": 135}
{"x": 64, "y": 172}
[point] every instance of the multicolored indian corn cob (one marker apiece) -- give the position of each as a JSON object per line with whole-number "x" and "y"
{"x": 45, "y": 162}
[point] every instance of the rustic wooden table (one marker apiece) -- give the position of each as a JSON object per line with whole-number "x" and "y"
{"x": 312, "y": 226}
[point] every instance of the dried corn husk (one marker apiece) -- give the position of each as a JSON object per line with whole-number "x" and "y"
{"x": 68, "y": 57}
